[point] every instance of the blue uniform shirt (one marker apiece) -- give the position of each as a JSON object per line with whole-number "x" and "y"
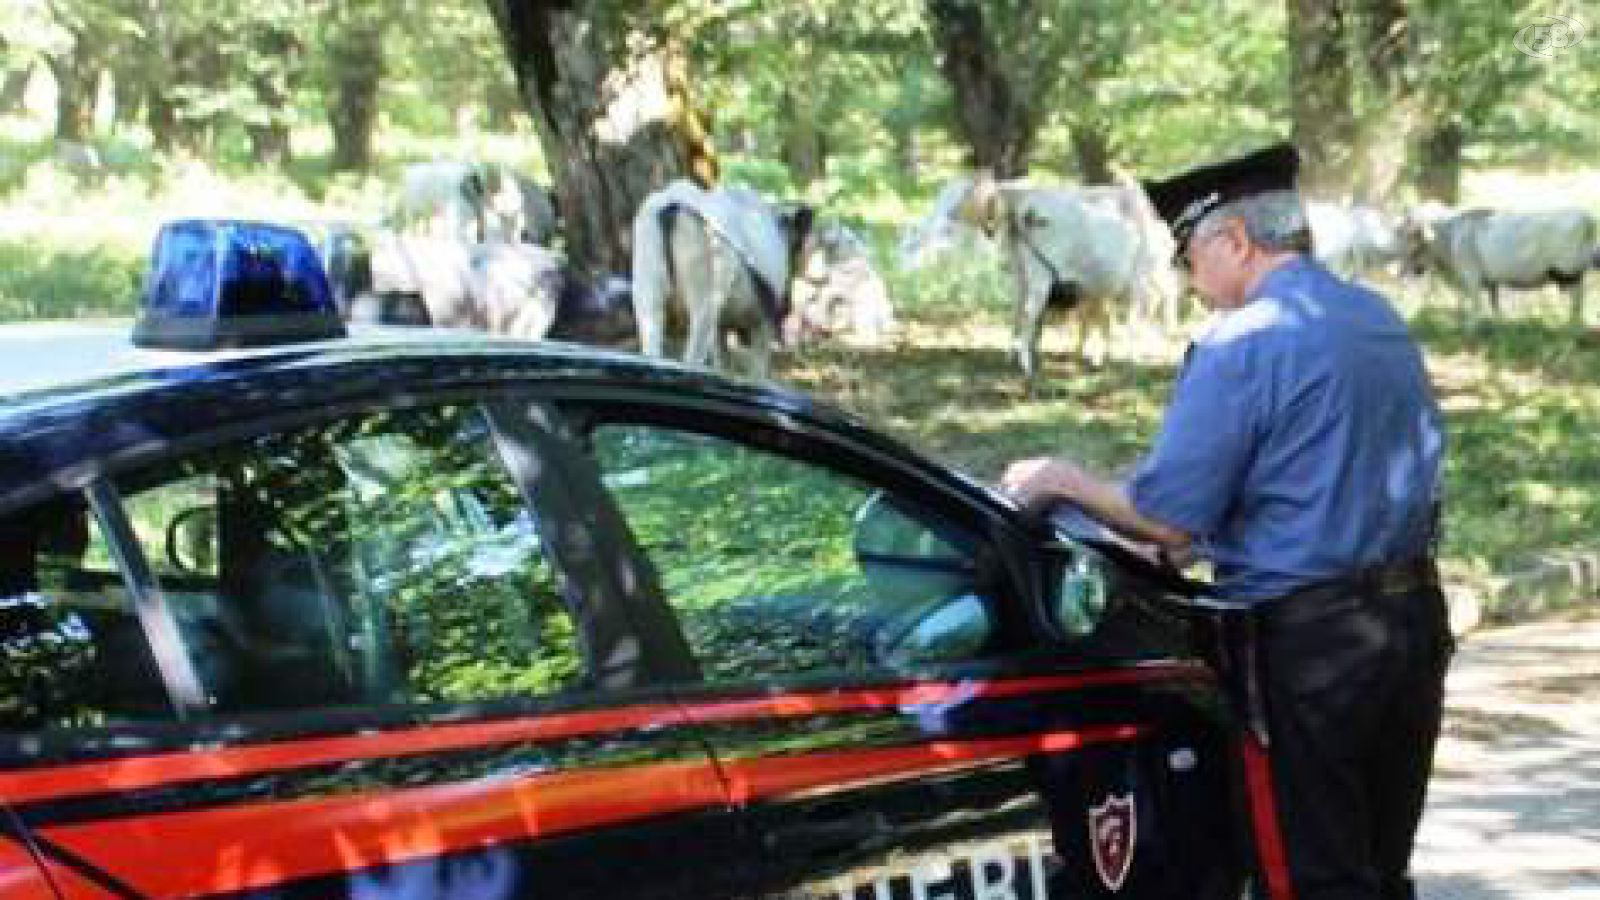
{"x": 1302, "y": 441}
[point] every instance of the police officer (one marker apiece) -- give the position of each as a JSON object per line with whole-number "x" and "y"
{"x": 1300, "y": 454}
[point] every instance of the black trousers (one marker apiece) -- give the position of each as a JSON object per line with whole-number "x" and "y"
{"x": 1350, "y": 685}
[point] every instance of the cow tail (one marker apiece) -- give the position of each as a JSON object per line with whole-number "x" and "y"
{"x": 652, "y": 273}
{"x": 800, "y": 227}
{"x": 1155, "y": 287}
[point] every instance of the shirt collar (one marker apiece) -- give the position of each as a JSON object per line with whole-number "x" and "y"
{"x": 1282, "y": 276}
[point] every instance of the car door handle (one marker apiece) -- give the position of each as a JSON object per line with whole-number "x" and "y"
{"x": 824, "y": 836}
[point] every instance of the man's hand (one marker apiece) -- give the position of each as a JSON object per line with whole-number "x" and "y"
{"x": 1039, "y": 481}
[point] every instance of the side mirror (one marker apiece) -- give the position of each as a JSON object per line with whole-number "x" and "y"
{"x": 1081, "y": 590}
{"x": 1081, "y": 575}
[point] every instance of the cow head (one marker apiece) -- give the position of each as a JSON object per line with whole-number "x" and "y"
{"x": 983, "y": 205}
{"x": 1418, "y": 234}
{"x": 949, "y": 228}
{"x": 836, "y": 290}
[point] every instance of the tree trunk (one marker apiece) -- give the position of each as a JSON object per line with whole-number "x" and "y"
{"x": 1091, "y": 143}
{"x": 156, "y": 67}
{"x": 1440, "y": 175}
{"x": 907, "y": 149}
{"x": 197, "y": 66}
{"x": 805, "y": 147}
{"x": 997, "y": 124}
{"x": 77, "y": 75}
{"x": 355, "y": 56}
{"x": 1320, "y": 73}
{"x": 14, "y": 89}
{"x": 500, "y": 106}
{"x": 128, "y": 89}
{"x": 161, "y": 117}
{"x": 597, "y": 87}
{"x": 1391, "y": 112}
{"x": 268, "y": 129}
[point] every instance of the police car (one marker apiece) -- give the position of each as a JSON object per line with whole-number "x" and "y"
{"x": 288, "y": 612}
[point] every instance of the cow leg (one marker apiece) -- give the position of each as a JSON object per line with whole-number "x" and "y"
{"x": 648, "y": 314}
{"x": 702, "y": 289}
{"x": 655, "y": 278}
{"x": 1029, "y": 322}
{"x": 725, "y": 304}
{"x": 1575, "y": 301}
{"x": 1168, "y": 302}
{"x": 1032, "y": 290}
{"x": 755, "y": 354}
{"x": 702, "y": 348}
{"x": 1475, "y": 295}
{"x": 1099, "y": 317}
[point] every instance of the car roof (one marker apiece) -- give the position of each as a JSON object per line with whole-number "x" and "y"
{"x": 75, "y": 394}
{"x": 52, "y": 356}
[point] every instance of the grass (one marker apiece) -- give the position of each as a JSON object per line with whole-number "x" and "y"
{"x": 1522, "y": 398}
{"x": 1521, "y": 402}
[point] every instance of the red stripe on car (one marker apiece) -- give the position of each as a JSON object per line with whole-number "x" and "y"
{"x": 769, "y": 777}
{"x": 255, "y": 846}
{"x": 1270, "y": 849}
{"x": 138, "y": 772}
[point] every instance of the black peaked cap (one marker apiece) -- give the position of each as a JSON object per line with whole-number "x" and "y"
{"x": 1184, "y": 199}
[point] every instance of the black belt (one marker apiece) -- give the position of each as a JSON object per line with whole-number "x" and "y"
{"x": 1374, "y": 583}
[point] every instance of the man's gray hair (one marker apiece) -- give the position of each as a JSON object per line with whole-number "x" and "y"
{"x": 1275, "y": 221}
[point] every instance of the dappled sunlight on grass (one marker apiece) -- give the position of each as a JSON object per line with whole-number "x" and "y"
{"x": 950, "y": 387}
{"x": 1522, "y": 400}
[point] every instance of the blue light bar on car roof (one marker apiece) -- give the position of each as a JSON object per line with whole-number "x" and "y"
{"x": 217, "y": 283}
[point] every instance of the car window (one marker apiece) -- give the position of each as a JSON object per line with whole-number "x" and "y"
{"x": 72, "y": 654}
{"x": 776, "y": 566}
{"x": 380, "y": 558}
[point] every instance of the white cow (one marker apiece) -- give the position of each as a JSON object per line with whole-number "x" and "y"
{"x": 516, "y": 209}
{"x": 474, "y": 202}
{"x": 836, "y": 290}
{"x": 441, "y": 199}
{"x": 737, "y": 268}
{"x": 1091, "y": 249}
{"x": 940, "y": 234}
{"x": 519, "y": 290}
{"x": 1480, "y": 251}
{"x": 720, "y": 258}
{"x": 1354, "y": 240}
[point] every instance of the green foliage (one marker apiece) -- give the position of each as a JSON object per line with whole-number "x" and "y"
{"x": 39, "y": 279}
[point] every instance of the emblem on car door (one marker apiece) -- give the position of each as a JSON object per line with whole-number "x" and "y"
{"x": 1113, "y": 830}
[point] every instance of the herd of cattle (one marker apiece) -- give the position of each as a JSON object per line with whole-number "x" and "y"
{"x": 467, "y": 245}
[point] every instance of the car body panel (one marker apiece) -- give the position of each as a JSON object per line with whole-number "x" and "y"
{"x": 652, "y": 780}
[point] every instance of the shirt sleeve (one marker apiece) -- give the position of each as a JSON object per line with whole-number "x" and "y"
{"x": 1207, "y": 441}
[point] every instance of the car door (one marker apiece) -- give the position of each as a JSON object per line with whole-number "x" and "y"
{"x": 884, "y": 688}
{"x": 22, "y": 876}
{"x": 371, "y": 655}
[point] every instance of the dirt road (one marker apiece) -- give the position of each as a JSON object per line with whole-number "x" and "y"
{"x": 1514, "y": 810}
